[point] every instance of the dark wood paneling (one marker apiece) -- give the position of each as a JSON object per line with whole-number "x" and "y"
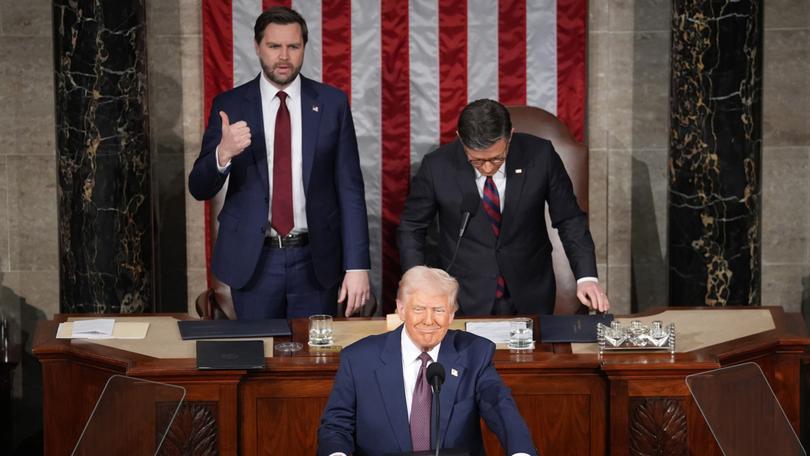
{"x": 573, "y": 404}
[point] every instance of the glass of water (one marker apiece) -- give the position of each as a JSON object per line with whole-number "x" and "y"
{"x": 320, "y": 330}
{"x": 521, "y": 336}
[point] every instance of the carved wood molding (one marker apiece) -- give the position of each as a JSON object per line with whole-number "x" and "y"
{"x": 194, "y": 430}
{"x": 657, "y": 427}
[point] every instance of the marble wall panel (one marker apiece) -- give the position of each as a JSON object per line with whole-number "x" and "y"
{"x": 715, "y": 160}
{"x": 105, "y": 207}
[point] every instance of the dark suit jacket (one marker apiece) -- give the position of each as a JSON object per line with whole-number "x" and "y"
{"x": 333, "y": 184}
{"x": 367, "y": 415}
{"x": 522, "y": 253}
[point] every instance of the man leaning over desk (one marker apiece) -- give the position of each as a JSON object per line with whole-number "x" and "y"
{"x": 381, "y": 400}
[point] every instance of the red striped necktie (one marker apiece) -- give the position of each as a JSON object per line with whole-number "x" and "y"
{"x": 492, "y": 207}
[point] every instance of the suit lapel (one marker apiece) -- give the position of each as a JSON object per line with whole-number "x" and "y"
{"x": 516, "y": 169}
{"x": 253, "y": 117}
{"x": 392, "y": 387}
{"x": 310, "y": 122}
{"x": 448, "y": 356}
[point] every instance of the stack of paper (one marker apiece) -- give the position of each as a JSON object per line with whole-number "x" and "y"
{"x": 102, "y": 328}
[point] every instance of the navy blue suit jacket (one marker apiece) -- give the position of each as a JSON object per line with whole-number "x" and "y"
{"x": 367, "y": 415}
{"x": 333, "y": 184}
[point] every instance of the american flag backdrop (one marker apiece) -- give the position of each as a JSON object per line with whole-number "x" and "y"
{"x": 408, "y": 68}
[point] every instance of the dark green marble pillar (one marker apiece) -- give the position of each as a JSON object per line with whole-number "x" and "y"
{"x": 105, "y": 234}
{"x": 715, "y": 153}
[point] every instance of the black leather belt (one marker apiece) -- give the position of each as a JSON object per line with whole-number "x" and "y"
{"x": 290, "y": 240}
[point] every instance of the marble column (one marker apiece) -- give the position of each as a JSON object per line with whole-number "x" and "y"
{"x": 104, "y": 200}
{"x": 715, "y": 153}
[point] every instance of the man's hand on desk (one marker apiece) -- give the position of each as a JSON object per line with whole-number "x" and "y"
{"x": 592, "y": 295}
{"x": 355, "y": 291}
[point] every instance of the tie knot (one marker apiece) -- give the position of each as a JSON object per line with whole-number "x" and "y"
{"x": 282, "y": 95}
{"x": 425, "y": 357}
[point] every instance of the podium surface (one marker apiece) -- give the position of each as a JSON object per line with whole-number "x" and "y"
{"x": 574, "y": 401}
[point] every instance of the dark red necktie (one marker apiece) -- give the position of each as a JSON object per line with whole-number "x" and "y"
{"x": 421, "y": 406}
{"x": 281, "y": 218}
{"x": 492, "y": 206}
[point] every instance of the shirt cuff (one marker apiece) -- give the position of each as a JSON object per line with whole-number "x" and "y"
{"x": 587, "y": 279}
{"x": 342, "y": 454}
{"x": 357, "y": 270}
{"x": 221, "y": 169}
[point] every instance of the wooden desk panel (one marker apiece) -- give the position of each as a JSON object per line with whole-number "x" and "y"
{"x": 573, "y": 403}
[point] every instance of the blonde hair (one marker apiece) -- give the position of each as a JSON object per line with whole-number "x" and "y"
{"x": 431, "y": 280}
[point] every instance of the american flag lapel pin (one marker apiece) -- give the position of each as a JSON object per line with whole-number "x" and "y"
{"x": 454, "y": 372}
{"x": 315, "y": 108}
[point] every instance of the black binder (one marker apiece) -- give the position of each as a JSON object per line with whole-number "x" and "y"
{"x": 227, "y": 329}
{"x": 230, "y": 354}
{"x": 571, "y": 328}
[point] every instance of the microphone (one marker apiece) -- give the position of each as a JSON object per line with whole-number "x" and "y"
{"x": 469, "y": 207}
{"x": 435, "y": 377}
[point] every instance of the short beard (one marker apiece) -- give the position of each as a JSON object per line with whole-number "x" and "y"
{"x": 282, "y": 82}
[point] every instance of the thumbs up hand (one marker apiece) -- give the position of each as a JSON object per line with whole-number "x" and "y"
{"x": 235, "y": 138}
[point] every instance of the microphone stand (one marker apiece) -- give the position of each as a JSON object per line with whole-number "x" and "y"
{"x": 465, "y": 221}
{"x": 436, "y": 404}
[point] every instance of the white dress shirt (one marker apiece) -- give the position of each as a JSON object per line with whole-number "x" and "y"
{"x": 270, "y": 105}
{"x": 499, "y": 178}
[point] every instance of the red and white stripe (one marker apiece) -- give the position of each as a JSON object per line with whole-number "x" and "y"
{"x": 409, "y": 67}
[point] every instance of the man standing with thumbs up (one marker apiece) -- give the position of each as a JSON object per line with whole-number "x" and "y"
{"x": 293, "y": 234}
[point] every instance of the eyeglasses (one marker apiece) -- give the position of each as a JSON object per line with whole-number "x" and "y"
{"x": 479, "y": 162}
{"x": 495, "y": 161}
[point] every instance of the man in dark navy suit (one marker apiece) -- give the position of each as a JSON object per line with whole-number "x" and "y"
{"x": 293, "y": 234}
{"x": 381, "y": 402}
{"x": 503, "y": 261}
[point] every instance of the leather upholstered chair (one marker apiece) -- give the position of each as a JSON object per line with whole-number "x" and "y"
{"x": 216, "y": 302}
{"x": 539, "y": 122}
